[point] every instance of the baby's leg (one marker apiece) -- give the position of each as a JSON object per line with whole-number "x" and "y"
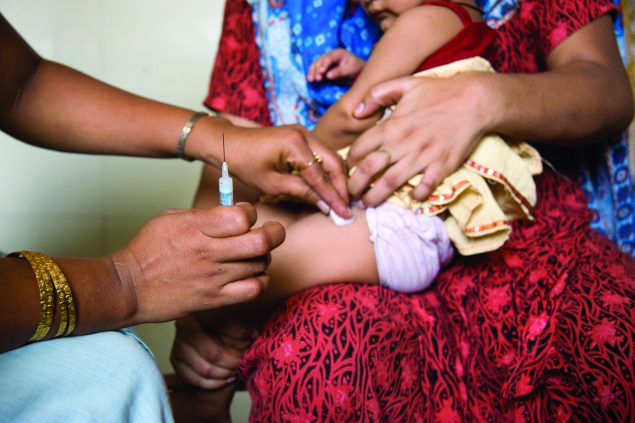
{"x": 387, "y": 245}
{"x": 316, "y": 251}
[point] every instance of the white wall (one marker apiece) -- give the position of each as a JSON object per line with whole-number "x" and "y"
{"x": 79, "y": 205}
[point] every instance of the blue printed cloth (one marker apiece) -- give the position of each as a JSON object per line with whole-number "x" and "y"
{"x": 291, "y": 35}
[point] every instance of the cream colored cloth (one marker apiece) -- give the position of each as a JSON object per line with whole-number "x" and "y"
{"x": 493, "y": 187}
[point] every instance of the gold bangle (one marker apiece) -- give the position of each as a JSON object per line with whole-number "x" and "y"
{"x": 185, "y": 133}
{"x": 42, "y": 261}
{"x": 46, "y": 295}
{"x": 66, "y": 301}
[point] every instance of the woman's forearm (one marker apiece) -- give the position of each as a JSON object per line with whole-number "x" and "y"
{"x": 53, "y": 106}
{"x": 585, "y": 95}
{"x": 566, "y": 106}
{"x": 101, "y": 302}
{"x": 54, "y": 98}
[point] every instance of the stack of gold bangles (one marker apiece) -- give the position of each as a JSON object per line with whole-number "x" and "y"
{"x": 52, "y": 285}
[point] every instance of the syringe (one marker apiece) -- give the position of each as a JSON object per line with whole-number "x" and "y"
{"x": 225, "y": 183}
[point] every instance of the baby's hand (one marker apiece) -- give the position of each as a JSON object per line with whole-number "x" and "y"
{"x": 337, "y": 63}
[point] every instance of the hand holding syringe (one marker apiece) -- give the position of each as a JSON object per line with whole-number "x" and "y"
{"x": 225, "y": 183}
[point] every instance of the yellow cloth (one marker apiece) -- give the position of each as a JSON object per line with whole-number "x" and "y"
{"x": 493, "y": 187}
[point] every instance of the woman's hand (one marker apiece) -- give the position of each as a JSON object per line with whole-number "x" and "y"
{"x": 203, "y": 359}
{"x": 336, "y": 64}
{"x": 435, "y": 126}
{"x": 184, "y": 261}
{"x": 288, "y": 160}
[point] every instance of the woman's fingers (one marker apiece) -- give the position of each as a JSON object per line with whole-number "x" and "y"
{"x": 288, "y": 160}
{"x": 389, "y": 181}
{"x": 187, "y": 360}
{"x": 247, "y": 249}
{"x": 243, "y": 290}
{"x": 200, "y": 358}
{"x": 317, "y": 183}
{"x": 366, "y": 170}
{"x": 175, "y": 265}
{"x": 228, "y": 221}
{"x": 432, "y": 177}
{"x": 384, "y": 95}
{"x": 371, "y": 140}
{"x": 333, "y": 165}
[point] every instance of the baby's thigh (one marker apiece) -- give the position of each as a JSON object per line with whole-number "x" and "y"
{"x": 285, "y": 213}
{"x": 330, "y": 253}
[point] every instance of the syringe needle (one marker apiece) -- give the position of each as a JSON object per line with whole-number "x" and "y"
{"x": 225, "y": 183}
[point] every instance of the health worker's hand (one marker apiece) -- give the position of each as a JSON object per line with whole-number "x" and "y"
{"x": 183, "y": 261}
{"x": 436, "y": 124}
{"x": 288, "y": 160}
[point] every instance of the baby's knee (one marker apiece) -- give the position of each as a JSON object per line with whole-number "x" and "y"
{"x": 409, "y": 249}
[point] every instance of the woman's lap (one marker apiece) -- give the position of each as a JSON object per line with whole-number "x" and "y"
{"x": 106, "y": 377}
{"x": 543, "y": 327}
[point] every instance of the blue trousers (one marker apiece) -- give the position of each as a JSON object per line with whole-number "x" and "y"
{"x": 104, "y": 377}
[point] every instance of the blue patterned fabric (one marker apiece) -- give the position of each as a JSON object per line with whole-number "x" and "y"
{"x": 293, "y": 34}
{"x": 497, "y": 12}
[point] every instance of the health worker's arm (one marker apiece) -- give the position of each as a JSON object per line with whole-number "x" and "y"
{"x": 53, "y": 106}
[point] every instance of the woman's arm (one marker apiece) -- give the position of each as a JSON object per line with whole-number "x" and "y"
{"x": 53, "y": 106}
{"x": 41, "y": 103}
{"x": 584, "y": 96}
{"x": 414, "y": 36}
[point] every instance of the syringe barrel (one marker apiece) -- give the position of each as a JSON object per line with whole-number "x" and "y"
{"x": 226, "y": 187}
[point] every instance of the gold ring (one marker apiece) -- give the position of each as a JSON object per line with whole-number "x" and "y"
{"x": 387, "y": 153}
{"x": 317, "y": 159}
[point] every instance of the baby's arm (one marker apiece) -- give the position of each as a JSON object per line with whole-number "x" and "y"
{"x": 414, "y": 36}
{"x": 336, "y": 64}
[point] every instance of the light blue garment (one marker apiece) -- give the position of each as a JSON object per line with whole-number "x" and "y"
{"x": 105, "y": 377}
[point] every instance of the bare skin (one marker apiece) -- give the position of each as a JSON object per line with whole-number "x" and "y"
{"x": 405, "y": 26}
